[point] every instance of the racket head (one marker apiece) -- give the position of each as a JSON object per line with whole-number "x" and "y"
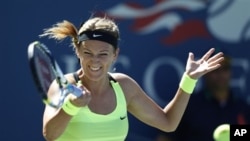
{"x": 42, "y": 65}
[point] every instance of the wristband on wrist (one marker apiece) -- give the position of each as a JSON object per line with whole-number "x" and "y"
{"x": 187, "y": 84}
{"x": 69, "y": 108}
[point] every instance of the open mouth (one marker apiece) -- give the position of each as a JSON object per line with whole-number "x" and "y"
{"x": 94, "y": 68}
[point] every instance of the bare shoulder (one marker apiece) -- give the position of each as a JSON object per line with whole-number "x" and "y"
{"x": 70, "y": 77}
{"x": 129, "y": 86}
{"x": 123, "y": 79}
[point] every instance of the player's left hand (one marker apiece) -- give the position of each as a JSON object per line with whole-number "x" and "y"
{"x": 208, "y": 63}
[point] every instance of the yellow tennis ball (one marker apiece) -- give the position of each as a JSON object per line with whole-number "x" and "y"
{"x": 222, "y": 133}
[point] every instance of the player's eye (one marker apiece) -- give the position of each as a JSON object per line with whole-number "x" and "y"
{"x": 86, "y": 53}
{"x": 104, "y": 54}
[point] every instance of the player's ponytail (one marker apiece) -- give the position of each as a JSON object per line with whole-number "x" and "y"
{"x": 62, "y": 30}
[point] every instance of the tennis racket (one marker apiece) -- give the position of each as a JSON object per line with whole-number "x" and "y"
{"x": 45, "y": 70}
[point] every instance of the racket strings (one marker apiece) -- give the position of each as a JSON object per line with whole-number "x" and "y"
{"x": 45, "y": 71}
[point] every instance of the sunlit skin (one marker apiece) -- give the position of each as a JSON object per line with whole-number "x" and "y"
{"x": 96, "y": 57}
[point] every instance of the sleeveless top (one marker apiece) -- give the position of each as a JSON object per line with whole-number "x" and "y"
{"x": 90, "y": 126}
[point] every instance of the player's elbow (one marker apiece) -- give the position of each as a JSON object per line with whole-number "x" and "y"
{"x": 169, "y": 128}
{"x": 173, "y": 129}
{"x": 49, "y": 136}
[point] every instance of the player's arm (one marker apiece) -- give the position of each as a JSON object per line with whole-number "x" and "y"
{"x": 55, "y": 120}
{"x": 146, "y": 110}
{"x": 168, "y": 118}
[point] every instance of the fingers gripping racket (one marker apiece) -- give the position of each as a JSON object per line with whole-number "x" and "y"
{"x": 45, "y": 70}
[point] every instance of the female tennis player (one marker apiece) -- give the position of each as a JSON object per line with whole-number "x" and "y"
{"x": 100, "y": 114}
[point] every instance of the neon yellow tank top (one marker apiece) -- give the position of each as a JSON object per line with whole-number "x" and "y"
{"x": 89, "y": 126}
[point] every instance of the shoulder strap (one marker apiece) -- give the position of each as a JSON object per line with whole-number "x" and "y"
{"x": 111, "y": 78}
{"x": 76, "y": 77}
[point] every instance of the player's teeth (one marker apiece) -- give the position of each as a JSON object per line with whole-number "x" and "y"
{"x": 95, "y": 68}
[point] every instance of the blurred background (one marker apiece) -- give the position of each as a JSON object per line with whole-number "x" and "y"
{"x": 156, "y": 36}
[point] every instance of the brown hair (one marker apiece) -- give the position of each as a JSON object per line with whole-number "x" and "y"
{"x": 65, "y": 28}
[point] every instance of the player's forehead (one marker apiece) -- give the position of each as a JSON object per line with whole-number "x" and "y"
{"x": 96, "y": 46}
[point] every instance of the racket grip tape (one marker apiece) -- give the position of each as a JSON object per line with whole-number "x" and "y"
{"x": 70, "y": 88}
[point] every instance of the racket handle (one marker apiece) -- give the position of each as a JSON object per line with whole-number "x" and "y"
{"x": 70, "y": 88}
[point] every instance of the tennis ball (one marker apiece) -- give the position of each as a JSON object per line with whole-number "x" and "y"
{"x": 221, "y": 133}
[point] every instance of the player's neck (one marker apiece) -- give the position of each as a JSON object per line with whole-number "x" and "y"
{"x": 96, "y": 87}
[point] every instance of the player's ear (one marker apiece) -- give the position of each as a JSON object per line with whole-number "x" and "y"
{"x": 76, "y": 49}
{"x": 116, "y": 53}
{"x": 77, "y": 52}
